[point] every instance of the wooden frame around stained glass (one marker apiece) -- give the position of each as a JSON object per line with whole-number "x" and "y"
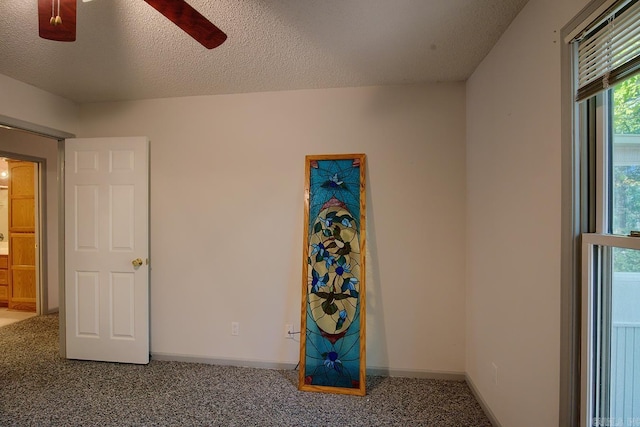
{"x": 333, "y": 340}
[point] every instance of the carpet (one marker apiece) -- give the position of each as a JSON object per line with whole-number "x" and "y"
{"x": 39, "y": 388}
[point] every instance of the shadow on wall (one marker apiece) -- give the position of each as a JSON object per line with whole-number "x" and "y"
{"x": 376, "y": 333}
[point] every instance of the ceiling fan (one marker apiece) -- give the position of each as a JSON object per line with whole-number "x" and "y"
{"x": 57, "y": 20}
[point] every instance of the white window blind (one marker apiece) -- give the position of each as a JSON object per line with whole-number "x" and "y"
{"x": 609, "y": 49}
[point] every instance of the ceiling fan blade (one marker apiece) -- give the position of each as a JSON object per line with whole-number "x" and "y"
{"x": 190, "y": 21}
{"x": 65, "y": 31}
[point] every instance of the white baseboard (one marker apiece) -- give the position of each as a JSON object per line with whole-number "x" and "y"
{"x": 407, "y": 373}
{"x": 371, "y": 370}
{"x": 245, "y": 363}
{"x": 483, "y": 403}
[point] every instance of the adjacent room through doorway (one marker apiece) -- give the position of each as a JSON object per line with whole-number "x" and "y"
{"x": 19, "y": 269}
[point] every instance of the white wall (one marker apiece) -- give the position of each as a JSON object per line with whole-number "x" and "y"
{"x": 227, "y": 177}
{"x": 29, "y": 104}
{"x": 45, "y": 150}
{"x": 513, "y": 218}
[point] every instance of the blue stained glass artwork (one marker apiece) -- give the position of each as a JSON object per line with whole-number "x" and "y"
{"x": 332, "y": 348}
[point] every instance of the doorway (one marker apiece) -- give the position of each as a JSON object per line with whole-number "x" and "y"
{"x": 43, "y": 151}
{"x": 19, "y": 235}
{"x": 47, "y": 146}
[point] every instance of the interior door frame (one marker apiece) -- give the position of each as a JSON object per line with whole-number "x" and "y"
{"x": 58, "y": 135}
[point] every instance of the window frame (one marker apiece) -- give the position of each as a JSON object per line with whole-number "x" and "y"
{"x": 594, "y": 248}
{"x": 584, "y": 225}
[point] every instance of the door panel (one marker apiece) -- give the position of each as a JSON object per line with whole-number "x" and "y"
{"x": 85, "y": 203}
{"x": 106, "y": 227}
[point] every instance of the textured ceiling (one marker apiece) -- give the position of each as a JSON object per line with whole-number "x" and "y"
{"x": 126, "y": 50}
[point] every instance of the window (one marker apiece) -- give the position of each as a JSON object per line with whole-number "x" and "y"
{"x": 612, "y": 274}
{"x": 608, "y": 127}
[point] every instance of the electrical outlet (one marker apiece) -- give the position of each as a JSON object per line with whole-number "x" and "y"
{"x": 288, "y": 331}
{"x": 494, "y": 373}
{"x": 235, "y": 328}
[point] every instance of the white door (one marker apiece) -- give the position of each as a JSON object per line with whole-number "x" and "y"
{"x": 106, "y": 237}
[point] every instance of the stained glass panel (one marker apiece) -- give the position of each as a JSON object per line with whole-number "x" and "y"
{"x": 332, "y": 357}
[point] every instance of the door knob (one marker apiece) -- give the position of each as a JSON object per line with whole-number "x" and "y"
{"x": 136, "y": 262}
